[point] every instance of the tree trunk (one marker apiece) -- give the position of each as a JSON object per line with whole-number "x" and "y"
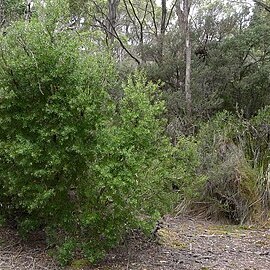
{"x": 183, "y": 12}
{"x": 162, "y": 29}
{"x": 112, "y": 13}
{"x": 188, "y": 74}
{"x": 188, "y": 57}
{"x": 28, "y": 10}
{"x": 2, "y": 13}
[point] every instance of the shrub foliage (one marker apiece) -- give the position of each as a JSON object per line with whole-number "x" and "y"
{"x": 235, "y": 159}
{"x": 72, "y": 159}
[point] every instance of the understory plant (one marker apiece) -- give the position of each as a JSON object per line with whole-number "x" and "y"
{"x": 235, "y": 159}
{"x": 75, "y": 162}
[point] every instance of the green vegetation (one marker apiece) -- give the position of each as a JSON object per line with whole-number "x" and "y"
{"x": 97, "y": 136}
{"x": 74, "y": 160}
{"x": 235, "y": 158}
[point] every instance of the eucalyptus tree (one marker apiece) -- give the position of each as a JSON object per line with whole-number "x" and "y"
{"x": 232, "y": 60}
{"x": 213, "y": 25}
{"x": 2, "y": 13}
{"x": 134, "y": 27}
{"x": 183, "y": 13}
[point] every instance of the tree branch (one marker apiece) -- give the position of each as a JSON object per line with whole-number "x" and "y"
{"x": 170, "y": 13}
{"x": 131, "y": 18}
{"x": 266, "y": 7}
{"x": 138, "y": 20}
{"x": 154, "y": 17}
{"x": 113, "y": 32}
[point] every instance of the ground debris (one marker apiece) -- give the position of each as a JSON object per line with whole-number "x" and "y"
{"x": 182, "y": 243}
{"x": 189, "y": 243}
{"x": 16, "y": 254}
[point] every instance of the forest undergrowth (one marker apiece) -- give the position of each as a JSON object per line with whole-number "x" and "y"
{"x": 104, "y": 132}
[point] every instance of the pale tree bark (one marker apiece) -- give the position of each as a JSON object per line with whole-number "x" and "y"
{"x": 183, "y": 13}
{"x": 112, "y": 16}
{"x": 28, "y": 10}
{"x": 2, "y": 13}
{"x": 163, "y": 26}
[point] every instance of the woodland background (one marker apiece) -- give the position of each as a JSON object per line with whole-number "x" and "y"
{"x": 113, "y": 113}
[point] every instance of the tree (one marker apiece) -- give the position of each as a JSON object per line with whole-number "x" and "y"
{"x": 112, "y": 16}
{"x": 163, "y": 26}
{"x": 2, "y": 13}
{"x": 237, "y": 59}
{"x": 183, "y": 12}
{"x": 28, "y": 9}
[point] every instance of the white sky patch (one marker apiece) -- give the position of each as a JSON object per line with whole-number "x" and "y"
{"x": 43, "y": 3}
{"x": 236, "y": 4}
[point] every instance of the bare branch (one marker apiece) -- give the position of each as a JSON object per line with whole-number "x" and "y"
{"x": 138, "y": 20}
{"x": 266, "y": 7}
{"x": 28, "y": 10}
{"x": 132, "y": 20}
{"x": 112, "y": 32}
{"x": 154, "y": 17}
{"x": 145, "y": 11}
{"x": 170, "y": 13}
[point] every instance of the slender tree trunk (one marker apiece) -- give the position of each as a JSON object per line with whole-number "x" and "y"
{"x": 2, "y": 13}
{"x": 28, "y": 10}
{"x": 112, "y": 15}
{"x": 188, "y": 76}
{"x": 163, "y": 16}
{"x": 162, "y": 29}
{"x": 183, "y": 12}
{"x": 188, "y": 59}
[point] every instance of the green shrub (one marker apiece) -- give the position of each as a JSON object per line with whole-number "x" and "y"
{"x": 258, "y": 138}
{"x": 215, "y": 136}
{"x": 73, "y": 160}
{"x": 186, "y": 175}
{"x": 258, "y": 150}
{"x": 231, "y": 189}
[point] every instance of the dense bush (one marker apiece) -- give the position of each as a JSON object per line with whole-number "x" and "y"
{"x": 235, "y": 159}
{"x": 186, "y": 175}
{"x": 73, "y": 160}
{"x": 230, "y": 182}
{"x": 257, "y": 146}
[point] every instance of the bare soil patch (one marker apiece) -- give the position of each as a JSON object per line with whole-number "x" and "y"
{"x": 181, "y": 243}
{"x": 193, "y": 243}
{"x": 17, "y": 254}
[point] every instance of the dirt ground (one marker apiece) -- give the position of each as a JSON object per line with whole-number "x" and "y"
{"x": 186, "y": 243}
{"x": 16, "y": 254}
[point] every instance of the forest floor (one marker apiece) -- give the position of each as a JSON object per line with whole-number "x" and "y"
{"x": 186, "y": 243}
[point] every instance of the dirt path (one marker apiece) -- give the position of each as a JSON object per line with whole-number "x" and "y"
{"x": 184, "y": 243}
{"x": 16, "y": 254}
{"x": 191, "y": 244}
